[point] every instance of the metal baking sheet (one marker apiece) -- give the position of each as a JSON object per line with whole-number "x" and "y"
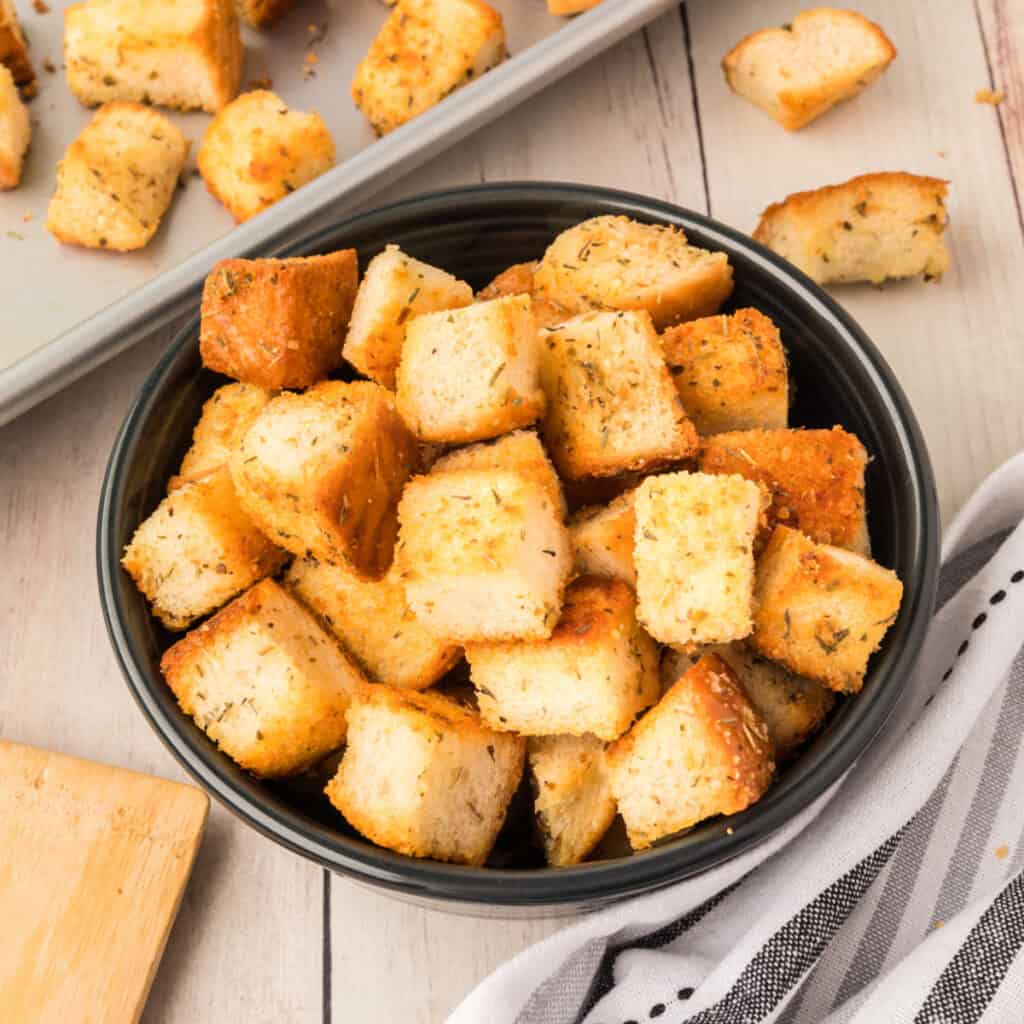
{"x": 65, "y": 310}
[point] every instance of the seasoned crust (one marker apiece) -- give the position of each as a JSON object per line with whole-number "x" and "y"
{"x": 602, "y": 539}
{"x": 518, "y": 280}
{"x": 15, "y": 131}
{"x": 14, "y": 49}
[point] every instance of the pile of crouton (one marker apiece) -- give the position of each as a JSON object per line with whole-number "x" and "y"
{"x": 579, "y": 485}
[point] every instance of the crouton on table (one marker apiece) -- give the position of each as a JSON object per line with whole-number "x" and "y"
{"x": 15, "y": 131}
{"x": 870, "y": 228}
{"x": 798, "y": 72}
{"x": 184, "y": 54}
{"x": 257, "y": 151}
{"x": 265, "y": 682}
{"x": 278, "y": 323}
{"x": 14, "y": 49}
{"x": 321, "y": 472}
{"x": 602, "y": 539}
{"x": 594, "y": 674}
{"x": 425, "y": 51}
{"x": 394, "y": 289}
{"x": 702, "y": 750}
{"x": 261, "y": 13}
{"x": 483, "y": 553}
{"x": 821, "y": 610}
{"x": 422, "y": 775}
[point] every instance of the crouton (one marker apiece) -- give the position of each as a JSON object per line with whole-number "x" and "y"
{"x": 612, "y": 406}
{"x": 394, "y": 289}
{"x": 264, "y": 682}
{"x": 568, "y": 7}
{"x": 798, "y": 72}
{"x": 261, "y": 13}
{"x": 521, "y": 450}
{"x": 472, "y": 373}
{"x": 518, "y": 280}
{"x": 483, "y": 553}
{"x": 870, "y": 228}
{"x": 184, "y": 54}
{"x": 425, "y": 51}
{"x": 701, "y": 751}
{"x": 15, "y": 131}
{"x": 14, "y": 49}
{"x": 117, "y": 179}
{"x": 815, "y": 477}
{"x": 573, "y": 801}
{"x": 424, "y": 777}
{"x": 197, "y": 550}
{"x": 694, "y": 558}
{"x": 596, "y": 672}
{"x": 257, "y": 151}
{"x": 821, "y": 610}
{"x": 615, "y": 263}
{"x": 602, "y": 539}
{"x": 226, "y": 416}
{"x": 278, "y": 323}
{"x": 374, "y": 623}
{"x": 321, "y": 473}
{"x": 730, "y": 371}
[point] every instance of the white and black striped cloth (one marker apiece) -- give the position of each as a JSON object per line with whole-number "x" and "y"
{"x": 897, "y": 898}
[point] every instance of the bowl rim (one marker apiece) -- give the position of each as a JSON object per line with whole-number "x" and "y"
{"x": 589, "y": 883}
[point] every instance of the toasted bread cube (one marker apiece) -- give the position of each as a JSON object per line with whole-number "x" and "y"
{"x": 573, "y": 801}
{"x": 396, "y": 288}
{"x": 730, "y": 371}
{"x": 257, "y": 151}
{"x": 117, "y": 179}
{"x": 184, "y": 54}
{"x": 422, "y": 776}
{"x": 521, "y": 450}
{"x": 602, "y": 539}
{"x": 322, "y": 472}
{"x": 694, "y": 556}
{"x": 472, "y": 373}
{"x": 595, "y": 673}
{"x": 615, "y": 263}
{"x": 15, "y": 131}
{"x": 870, "y": 228}
{"x": 612, "y": 406}
{"x": 261, "y": 13}
{"x": 821, "y": 610}
{"x": 265, "y": 682}
{"x": 568, "y": 7}
{"x": 278, "y": 323}
{"x": 483, "y": 553}
{"x": 518, "y": 280}
{"x": 14, "y": 49}
{"x": 197, "y": 550}
{"x": 816, "y": 478}
{"x": 798, "y": 72}
{"x": 701, "y": 751}
{"x": 424, "y": 52}
{"x": 374, "y": 623}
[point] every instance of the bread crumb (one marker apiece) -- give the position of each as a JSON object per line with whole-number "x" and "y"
{"x": 26, "y": 217}
{"x": 40, "y": 7}
{"x": 1002, "y": 852}
{"x": 993, "y": 97}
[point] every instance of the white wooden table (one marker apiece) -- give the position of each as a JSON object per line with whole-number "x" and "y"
{"x": 265, "y": 936}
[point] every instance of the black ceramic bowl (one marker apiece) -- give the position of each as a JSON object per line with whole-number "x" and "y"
{"x": 474, "y": 233}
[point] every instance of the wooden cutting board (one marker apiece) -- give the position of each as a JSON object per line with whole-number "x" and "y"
{"x": 93, "y": 864}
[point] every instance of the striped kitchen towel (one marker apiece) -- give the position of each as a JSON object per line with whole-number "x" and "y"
{"x": 896, "y": 898}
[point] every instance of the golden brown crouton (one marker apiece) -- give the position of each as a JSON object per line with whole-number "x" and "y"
{"x": 261, "y": 13}
{"x": 374, "y": 623}
{"x": 278, "y": 323}
{"x": 185, "y": 54}
{"x": 472, "y": 373}
{"x": 197, "y": 550}
{"x": 615, "y": 263}
{"x": 573, "y": 801}
{"x": 871, "y": 228}
{"x": 730, "y": 371}
{"x": 816, "y": 478}
{"x": 612, "y": 406}
{"x": 14, "y": 49}
{"x": 15, "y": 131}
{"x": 694, "y": 557}
{"x": 822, "y": 610}
{"x": 264, "y": 682}
{"x": 394, "y": 289}
{"x": 602, "y": 539}
{"x": 424, "y": 52}
{"x": 321, "y": 473}
{"x": 422, "y": 775}
{"x": 567, "y": 7}
{"x": 483, "y": 553}
{"x": 518, "y": 280}
{"x": 798, "y": 72}
{"x": 701, "y": 751}
{"x": 257, "y": 151}
{"x": 595, "y": 673}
